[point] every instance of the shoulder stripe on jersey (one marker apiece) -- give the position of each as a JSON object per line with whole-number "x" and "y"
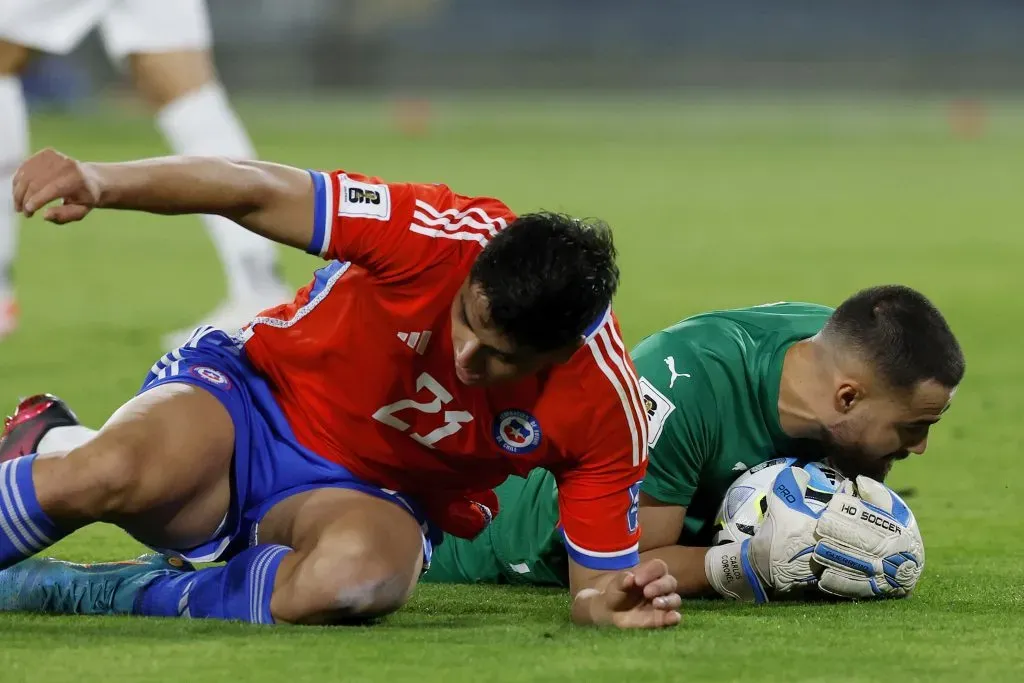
{"x": 632, "y": 382}
{"x": 323, "y": 213}
{"x": 617, "y": 382}
{"x": 623, "y": 559}
{"x": 489, "y": 222}
{"x": 455, "y": 225}
{"x": 433, "y": 232}
{"x": 621, "y": 362}
{"x": 321, "y": 289}
{"x": 446, "y": 224}
{"x": 428, "y": 215}
{"x": 634, "y": 409}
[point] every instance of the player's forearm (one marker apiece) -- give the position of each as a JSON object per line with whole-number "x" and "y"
{"x": 178, "y": 185}
{"x": 269, "y": 199}
{"x": 687, "y": 565}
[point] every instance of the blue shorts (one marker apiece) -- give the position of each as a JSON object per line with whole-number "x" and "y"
{"x": 269, "y": 464}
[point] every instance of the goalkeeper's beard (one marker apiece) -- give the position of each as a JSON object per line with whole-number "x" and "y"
{"x": 851, "y": 460}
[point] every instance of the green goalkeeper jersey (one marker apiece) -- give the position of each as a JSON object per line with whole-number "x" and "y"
{"x": 711, "y": 390}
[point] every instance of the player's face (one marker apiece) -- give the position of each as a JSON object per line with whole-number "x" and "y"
{"x": 483, "y": 355}
{"x": 875, "y": 429}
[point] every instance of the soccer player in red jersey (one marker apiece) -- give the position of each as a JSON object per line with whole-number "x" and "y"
{"x": 322, "y": 449}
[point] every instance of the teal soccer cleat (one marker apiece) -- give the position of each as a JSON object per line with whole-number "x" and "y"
{"x": 48, "y": 586}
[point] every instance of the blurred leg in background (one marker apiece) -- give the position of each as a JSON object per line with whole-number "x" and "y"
{"x": 27, "y": 26}
{"x": 167, "y": 46}
{"x": 13, "y": 148}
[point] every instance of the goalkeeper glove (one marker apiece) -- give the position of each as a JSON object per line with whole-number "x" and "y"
{"x": 775, "y": 562}
{"x": 870, "y": 545}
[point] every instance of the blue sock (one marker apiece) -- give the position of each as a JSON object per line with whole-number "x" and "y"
{"x": 239, "y": 591}
{"x": 24, "y": 528}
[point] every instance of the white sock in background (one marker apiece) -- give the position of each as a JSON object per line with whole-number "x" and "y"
{"x": 13, "y": 149}
{"x": 203, "y": 123}
{"x": 66, "y": 438}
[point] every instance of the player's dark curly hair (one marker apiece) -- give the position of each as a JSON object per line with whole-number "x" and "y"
{"x": 548, "y": 277}
{"x": 899, "y": 330}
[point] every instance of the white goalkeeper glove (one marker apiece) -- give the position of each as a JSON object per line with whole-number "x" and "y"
{"x": 776, "y": 561}
{"x": 869, "y": 543}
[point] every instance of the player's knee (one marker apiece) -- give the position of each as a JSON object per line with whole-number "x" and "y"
{"x": 348, "y": 579}
{"x": 162, "y": 78}
{"x": 376, "y": 590}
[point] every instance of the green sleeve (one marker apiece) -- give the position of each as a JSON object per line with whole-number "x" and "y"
{"x": 682, "y": 416}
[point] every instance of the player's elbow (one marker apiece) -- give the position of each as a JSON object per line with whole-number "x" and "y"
{"x": 276, "y": 202}
{"x": 259, "y": 188}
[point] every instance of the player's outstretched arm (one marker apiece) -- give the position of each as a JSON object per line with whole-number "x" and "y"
{"x": 663, "y": 525}
{"x": 269, "y": 199}
{"x": 687, "y": 565}
{"x": 641, "y": 597}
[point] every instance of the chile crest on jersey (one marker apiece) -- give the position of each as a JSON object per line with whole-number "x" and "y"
{"x": 517, "y": 431}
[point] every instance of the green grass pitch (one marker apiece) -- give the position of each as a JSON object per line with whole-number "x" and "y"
{"x": 714, "y": 205}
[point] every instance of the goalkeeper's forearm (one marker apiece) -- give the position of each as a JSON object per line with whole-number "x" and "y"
{"x": 687, "y": 565}
{"x": 272, "y": 200}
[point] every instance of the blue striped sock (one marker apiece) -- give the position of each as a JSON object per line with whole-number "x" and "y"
{"x": 238, "y": 591}
{"x": 24, "y": 528}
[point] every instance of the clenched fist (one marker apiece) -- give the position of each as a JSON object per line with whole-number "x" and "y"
{"x": 642, "y": 597}
{"x": 49, "y": 175}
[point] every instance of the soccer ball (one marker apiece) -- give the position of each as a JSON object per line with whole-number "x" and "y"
{"x": 746, "y": 501}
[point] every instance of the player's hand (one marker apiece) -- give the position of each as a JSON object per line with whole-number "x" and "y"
{"x": 870, "y": 545}
{"x": 775, "y": 563}
{"x": 642, "y": 597}
{"x": 48, "y": 176}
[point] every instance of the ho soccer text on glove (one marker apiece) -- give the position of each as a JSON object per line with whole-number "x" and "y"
{"x": 869, "y": 544}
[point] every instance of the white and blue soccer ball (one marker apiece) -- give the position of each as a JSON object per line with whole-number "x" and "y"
{"x": 746, "y": 501}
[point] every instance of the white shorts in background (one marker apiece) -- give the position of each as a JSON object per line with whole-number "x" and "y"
{"x": 126, "y": 26}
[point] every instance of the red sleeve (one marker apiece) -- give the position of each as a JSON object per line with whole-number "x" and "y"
{"x": 599, "y": 498}
{"x": 390, "y": 228}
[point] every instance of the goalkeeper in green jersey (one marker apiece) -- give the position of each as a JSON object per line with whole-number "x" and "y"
{"x": 859, "y": 385}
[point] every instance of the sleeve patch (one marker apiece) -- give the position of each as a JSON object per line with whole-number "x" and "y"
{"x": 658, "y": 408}
{"x": 364, "y": 200}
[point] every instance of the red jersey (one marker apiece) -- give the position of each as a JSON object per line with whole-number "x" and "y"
{"x": 363, "y": 366}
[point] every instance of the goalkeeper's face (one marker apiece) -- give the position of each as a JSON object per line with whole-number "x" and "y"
{"x": 872, "y": 429}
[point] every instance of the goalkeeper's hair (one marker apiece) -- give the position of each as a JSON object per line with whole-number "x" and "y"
{"x": 547, "y": 278}
{"x": 901, "y": 333}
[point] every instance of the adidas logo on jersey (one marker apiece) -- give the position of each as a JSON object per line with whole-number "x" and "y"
{"x": 739, "y": 467}
{"x": 416, "y": 341}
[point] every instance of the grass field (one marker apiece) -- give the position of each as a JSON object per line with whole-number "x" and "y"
{"x": 714, "y": 204}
